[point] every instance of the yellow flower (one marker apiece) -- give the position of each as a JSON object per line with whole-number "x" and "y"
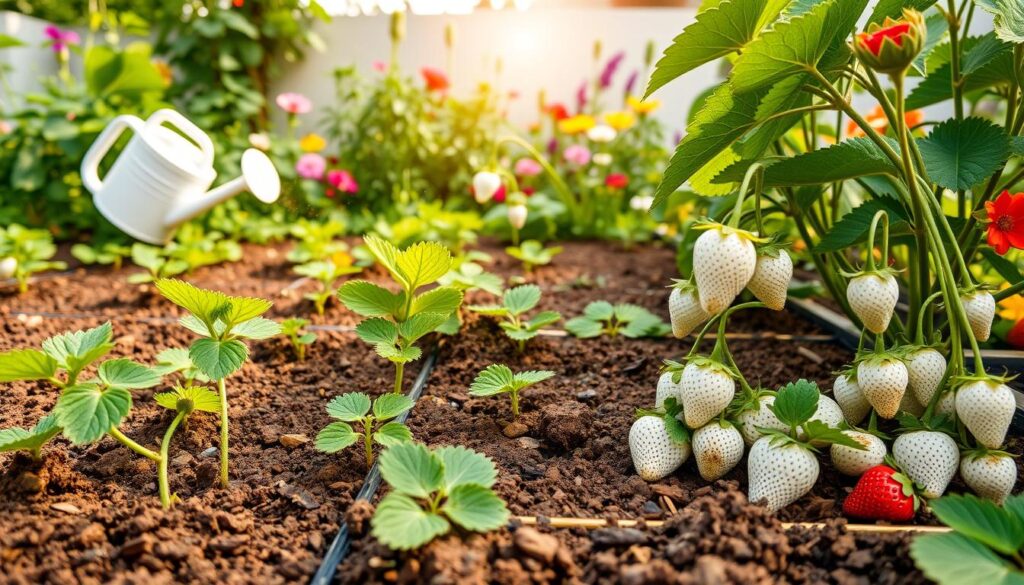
{"x": 342, "y": 259}
{"x": 312, "y": 143}
{"x": 1012, "y": 308}
{"x": 642, "y": 107}
{"x": 620, "y": 120}
{"x": 576, "y": 124}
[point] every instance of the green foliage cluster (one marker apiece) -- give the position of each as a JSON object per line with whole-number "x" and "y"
{"x": 24, "y": 252}
{"x": 603, "y": 318}
{"x": 514, "y": 304}
{"x": 378, "y": 426}
{"x": 295, "y": 330}
{"x": 498, "y": 379}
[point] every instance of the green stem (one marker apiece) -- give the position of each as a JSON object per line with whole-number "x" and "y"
{"x": 514, "y": 395}
{"x": 1009, "y": 291}
{"x": 165, "y": 488}
{"x": 222, "y": 392}
{"x": 399, "y": 374}
{"x": 368, "y": 440}
{"x": 919, "y": 335}
{"x": 149, "y": 454}
{"x": 882, "y": 216}
{"x": 755, "y": 172}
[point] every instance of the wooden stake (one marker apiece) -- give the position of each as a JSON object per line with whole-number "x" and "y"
{"x": 602, "y": 523}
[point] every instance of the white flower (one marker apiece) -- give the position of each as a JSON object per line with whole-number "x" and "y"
{"x": 641, "y": 202}
{"x": 485, "y": 185}
{"x": 517, "y": 216}
{"x": 260, "y": 141}
{"x": 8, "y": 266}
{"x": 602, "y": 159}
{"x": 601, "y": 133}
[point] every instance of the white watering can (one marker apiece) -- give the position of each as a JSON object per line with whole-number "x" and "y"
{"x": 161, "y": 178}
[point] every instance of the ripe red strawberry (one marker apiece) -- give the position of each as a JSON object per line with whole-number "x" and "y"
{"x": 882, "y": 493}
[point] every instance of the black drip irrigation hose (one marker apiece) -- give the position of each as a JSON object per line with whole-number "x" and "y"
{"x": 342, "y": 542}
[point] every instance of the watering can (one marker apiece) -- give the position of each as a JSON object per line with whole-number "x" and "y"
{"x": 160, "y": 179}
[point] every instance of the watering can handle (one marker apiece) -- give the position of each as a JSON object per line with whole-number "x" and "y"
{"x": 99, "y": 149}
{"x": 191, "y": 130}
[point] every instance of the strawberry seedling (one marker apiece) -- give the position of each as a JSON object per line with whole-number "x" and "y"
{"x": 533, "y": 253}
{"x": 396, "y": 321}
{"x": 433, "y": 489}
{"x": 24, "y": 252}
{"x": 377, "y": 426}
{"x": 295, "y": 331}
{"x": 183, "y": 400}
{"x": 326, "y": 272}
{"x": 603, "y": 318}
{"x": 499, "y": 379}
{"x": 469, "y": 275}
{"x": 316, "y": 240}
{"x": 515, "y": 302}
{"x": 222, "y": 322}
{"x": 157, "y": 264}
{"x": 110, "y": 253}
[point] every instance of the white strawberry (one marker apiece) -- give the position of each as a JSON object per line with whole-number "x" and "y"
{"x": 910, "y": 405}
{"x": 980, "y": 307}
{"x": 685, "y": 310}
{"x": 667, "y": 388}
{"x": 828, "y": 412}
{"x": 947, "y": 404}
{"x": 873, "y": 296}
{"x": 986, "y": 408}
{"x": 855, "y": 462}
{"x": 779, "y": 472}
{"x": 517, "y": 216}
{"x": 724, "y": 260}
{"x": 850, "y": 398}
{"x": 990, "y": 475}
{"x": 655, "y": 454}
{"x": 925, "y": 368}
{"x": 7, "y": 266}
{"x": 717, "y": 448}
{"x": 707, "y": 388}
{"x": 770, "y": 283}
{"x": 883, "y": 380}
{"x": 930, "y": 458}
{"x": 485, "y": 185}
{"x": 762, "y": 417}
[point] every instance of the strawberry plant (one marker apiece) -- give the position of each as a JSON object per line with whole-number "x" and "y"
{"x": 533, "y": 253}
{"x": 603, "y": 318}
{"x": 157, "y": 264}
{"x": 514, "y": 304}
{"x": 24, "y": 252}
{"x": 295, "y": 331}
{"x": 397, "y": 320}
{"x": 326, "y": 272}
{"x": 222, "y": 323}
{"x": 432, "y": 490}
{"x": 498, "y": 379}
{"x": 316, "y": 240}
{"x": 184, "y": 401}
{"x": 470, "y": 275}
{"x": 377, "y": 425}
{"x": 109, "y": 253}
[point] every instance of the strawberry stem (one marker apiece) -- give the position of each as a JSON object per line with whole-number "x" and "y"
{"x": 754, "y": 172}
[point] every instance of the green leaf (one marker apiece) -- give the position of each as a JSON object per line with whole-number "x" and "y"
{"x": 377, "y": 330}
{"x": 370, "y": 300}
{"x": 494, "y": 379}
{"x": 522, "y": 298}
{"x": 335, "y": 437}
{"x": 411, "y": 469}
{"x": 257, "y": 328}
{"x": 400, "y": 523}
{"x": 954, "y": 559}
{"x": 392, "y": 434}
{"x": 387, "y": 255}
{"x": 397, "y": 354}
{"x": 388, "y": 406}
{"x": 464, "y": 466}
{"x": 19, "y": 439}
{"x": 796, "y": 402}
{"x": 894, "y": 8}
{"x": 201, "y": 303}
{"x": 475, "y": 507}
{"x": 961, "y": 154}
{"x": 87, "y": 413}
{"x": 1006, "y": 269}
{"x": 529, "y": 377}
{"x": 443, "y": 300}
{"x": 988, "y": 70}
{"x": 424, "y": 263}
{"x": 981, "y": 520}
{"x": 26, "y": 364}
{"x": 584, "y": 328}
{"x": 1008, "y": 19}
{"x": 856, "y": 157}
{"x": 489, "y": 310}
{"x": 349, "y": 407}
{"x": 818, "y": 431}
{"x": 202, "y": 399}
{"x": 676, "y": 430}
{"x": 76, "y": 350}
{"x": 599, "y": 311}
{"x": 543, "y": 319}
{"x": 218, "y": 359}
{"x": 419, "y": 325}
{"x": 125, "y": 373}
{"x": 855, "y": 225}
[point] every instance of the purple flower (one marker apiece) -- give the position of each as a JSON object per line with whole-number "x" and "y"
{"x": 61, "y": 39}
{"x": 581, "y": 96}
{"x": 610, "y": 68}
{"x": 552, "y": 146}
{"x": 311, "y": 166}
{"x": 631, "y": 83}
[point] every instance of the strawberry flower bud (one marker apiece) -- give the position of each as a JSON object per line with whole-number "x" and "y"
{"x": 892, "y": 46}
{"x": 517, "y": 216}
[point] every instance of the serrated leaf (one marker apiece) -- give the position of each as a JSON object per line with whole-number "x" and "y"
{"x": 396, "y": 354}
{"x": 335, "y": 437}
{"x": 599, "y": 311}
{"x": 388, "y": 406}
{"x": 26, "y": 364}
{"x": 370, "y": 300}
{"x": 856, "y": 157}
{"x": 386, "y": 254}
{"x": 197, "y": 326}
{"x": 245, "y": 309}
{"x": 494, "y": 379}
{"x": 443, "y": 300}
{"x": 75, "y": 350}
{"x": 961, "y": 154}
{"x": 400, "y": 523}
{"x": 981, "y": 520}
{"x": 819, "y": 431}
{"x": 526, "y": 378}
{"x": 411, "y": 469}
{"x": 257, "y": 328}
{"x": 424, "y": 263}
{"x": 796, "y": 402}
{"x": 201, "y": 303}
{"x": 378, "y": 330}
{"x": 516, "y": 334}
{"x": 475, "y": 507}
{"x": 202, "y": 399}
{"x": 954, "y": 559}
{"x": 854, "y": 225}
{"x": 522, "y": 298}
{"x": 676, "y": 430}
{"x": 349, "y": 407}
{"x": 584, "y": 328}
{"x": 419, "y": 325}
{"x": 894, "y": 8}
{"x": 125, "y": 373}
{"x": 464, "y": 466}
{"x": 1008, "y": 19}
{"x": 218, "y": 359}
{"x": 392, "y": 434}
{"x": 19, "y": 439}
{"x": 989, "y": 70}
{"x": 543, "y": 319}
{"x": 87, "y": 413}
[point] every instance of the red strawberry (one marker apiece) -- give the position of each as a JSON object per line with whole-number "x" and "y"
{"x": 882, "y": 493}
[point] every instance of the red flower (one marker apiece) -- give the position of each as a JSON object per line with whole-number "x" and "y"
{"x": 1006, "y": 222}
{"x": 435, "y": 78}
{"x": 557, "y": 111}
{"x": 617, "y": 181}
{"x": 872, "y": 41}
{"x": 1016, "y": 335}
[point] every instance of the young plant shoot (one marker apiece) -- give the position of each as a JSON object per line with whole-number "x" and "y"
{"x": 24, "y": 252}
{"x": 515, "y": 303}
{"x": 533, "y": 253}
{"x": 157, "y": 264}
{"x": 295, "y": 330}
{"x": 222, "y": 322}
{"x": 397, "y": 320}
{"x": 433, "y": 489}
{"x": 109, "y": 254}
{"x": 603, "y": 318}
{"x": 183, "y": 400}
{"x": 326, "y": 272}
{"x": 499, "y": 379}
{"x": 377, "y": 426}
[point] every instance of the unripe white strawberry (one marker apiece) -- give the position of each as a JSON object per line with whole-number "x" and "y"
{"x": 517, "y": 216}
{"x": 873, "y": 296}
{"x": 855, "y": 462}
{"x": 947, "y": 404}
{"x": 980, "y": 307}
{"x": 770, "y": 283}
{"x": 883, "y": 380}
{"x": 930, "y": 458}
{"x": 991, "y": 475}
{"x": 655, "y": 454}
{"x": 666, "y": 389}
{"x": 717, "y": 448}
{"x": 751, "y": 420}
{"x": 685, "y": 310}
{"x": 7, "y": 266}
{"x": 986, "y": 408}
{"x": 779, "y": 474}
{"x": 723, "y": 264}
{"x": 910, "y": 405}
{"x": 850, "y": 399}
{"x": 707, "y": 389}
{"x": 485, "y": 185}
{"x": 925, "y": 368}
{"x": 828, "y": 412}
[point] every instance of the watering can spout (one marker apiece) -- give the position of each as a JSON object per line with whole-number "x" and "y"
{"x": 258, "y": 176}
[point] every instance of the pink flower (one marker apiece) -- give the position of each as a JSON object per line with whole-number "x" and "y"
{"x": 342, "y": 181}
{"x": 62, "y": 38}
{"x": 577, "y": 154}
{"x": 294, "y": 103}
{"x": 527, "y": 167}
{"x": 311, "y": 166}
{"x": 380, "y": 66}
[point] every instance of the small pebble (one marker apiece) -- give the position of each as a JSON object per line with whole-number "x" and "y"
{"x": 211, "y": 452}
